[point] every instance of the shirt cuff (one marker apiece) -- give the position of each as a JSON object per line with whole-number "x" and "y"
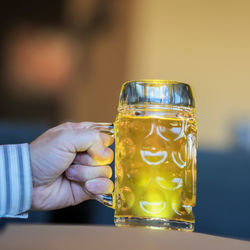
{"x": 15, "y": 181}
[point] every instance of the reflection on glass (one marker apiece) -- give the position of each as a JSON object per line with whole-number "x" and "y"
{"x": 152, "y": 207}
{"x": 176, "y": 156}
{"x": 154, "y": 156}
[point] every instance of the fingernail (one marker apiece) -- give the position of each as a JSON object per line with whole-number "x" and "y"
{"x": 110, "y": 173}
{"x": 71, "y": 172}
{"x": 90, "y": 185}
{"x": 106, "y": 151}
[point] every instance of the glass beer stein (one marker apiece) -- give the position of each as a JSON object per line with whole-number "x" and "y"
{"x": 155, "y": 156}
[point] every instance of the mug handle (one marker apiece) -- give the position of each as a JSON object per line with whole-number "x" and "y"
{"x": 105, "y": 199}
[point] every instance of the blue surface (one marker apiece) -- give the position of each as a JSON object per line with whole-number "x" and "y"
{"x": 223, "y": 194}
{"x": 12, "y": 132}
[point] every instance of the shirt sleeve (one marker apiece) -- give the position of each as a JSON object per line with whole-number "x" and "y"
{"x": 15, "y": 181}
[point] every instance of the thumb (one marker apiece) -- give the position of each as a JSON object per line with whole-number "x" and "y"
{"x": 90, "y": 141}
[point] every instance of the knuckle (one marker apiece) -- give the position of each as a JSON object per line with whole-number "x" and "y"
{"x": 64, "y": 125}
{"x": 68, "y": 124}
{"x": 61, "y": 135}
{"x": 86, "y": 174}
{"x": 86, "y": 124}
{"x": 95, "y": 136}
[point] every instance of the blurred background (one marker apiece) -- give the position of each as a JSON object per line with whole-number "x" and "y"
{"x": 66, "y": 60}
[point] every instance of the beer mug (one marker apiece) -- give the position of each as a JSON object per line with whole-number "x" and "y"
{"x": 155, "y": 156}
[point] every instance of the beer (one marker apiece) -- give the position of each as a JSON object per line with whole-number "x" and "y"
{"x": 155, "y": 167}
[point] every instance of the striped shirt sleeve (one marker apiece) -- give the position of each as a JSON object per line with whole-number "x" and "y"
{"x": 15, "y": 181}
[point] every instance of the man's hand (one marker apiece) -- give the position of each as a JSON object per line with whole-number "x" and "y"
{"x": 66, "y": 157}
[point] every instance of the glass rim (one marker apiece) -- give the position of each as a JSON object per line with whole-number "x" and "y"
{"x": 156, "y": 92}
{"x": 156, "y": 81}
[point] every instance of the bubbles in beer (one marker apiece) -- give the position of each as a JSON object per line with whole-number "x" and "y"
{"x": 127, "y": 148}
{"x": 119, "y": 173}
{"x": 127, "y": 198}
{"x": 138, "y": 175}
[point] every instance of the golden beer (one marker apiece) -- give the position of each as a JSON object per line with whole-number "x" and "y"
{"x": 155, "y": 167}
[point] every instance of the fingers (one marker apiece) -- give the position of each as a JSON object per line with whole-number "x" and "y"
{"x": 107, "y": 139}
{"x": 86, "y": 159}
{"x": 99, "y": 186}
{"x": 79, "y": 137}
{"x": 90, "y": 141}
{"x": 95, "y": 186}
{"x": 99, "y": 153}
{"x": 80, "y": 173}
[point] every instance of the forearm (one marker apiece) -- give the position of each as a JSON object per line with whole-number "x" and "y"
{"x": 15, "y": 181}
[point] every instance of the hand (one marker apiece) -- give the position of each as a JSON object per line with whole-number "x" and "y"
{"x": 65, "y": 157}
